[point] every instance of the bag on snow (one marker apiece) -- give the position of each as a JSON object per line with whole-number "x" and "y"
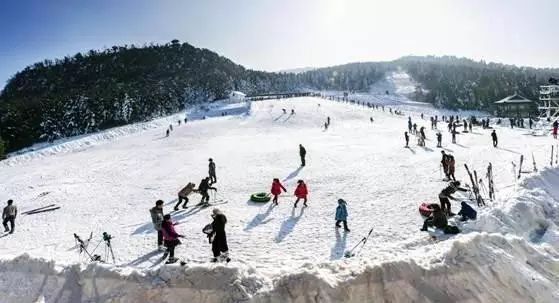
{"x": 451, "y": 230}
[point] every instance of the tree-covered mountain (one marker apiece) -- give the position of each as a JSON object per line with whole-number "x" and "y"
{"x": 463, "y": 83}
{"x": 101, "y": 89}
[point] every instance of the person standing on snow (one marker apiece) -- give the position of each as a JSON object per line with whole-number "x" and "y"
{"x": 302, "y": 154}
{"x": 217, "y": 237}
{"x": 407, "y": 137}
{"x": 555, "y": 126}
{"x": 494, "y": 138}
{"x": 409, "y": 124}
{"x": 203, "y": 190}
{"x": 170, "y": 238}
{"x": 341, "y": 214}
{"x": 9, "y": 215}
{"x": 301, "y": 192}
{"x": 183, "y": 195}
{"x": 439, "y": 139}
{"x": 444, "y": 163}
{"x": 414, "y": 128}
{"x": 277, "y": 187}
{"x": 450, "y": 166}
{"x": 446, "y": 195}
{"x": 157, "y": 220}
{"x": 211, "y": 171}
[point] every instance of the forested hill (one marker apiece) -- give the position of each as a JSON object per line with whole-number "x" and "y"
{"x": 463, "y": 83}
{"x": 101, "y": 89}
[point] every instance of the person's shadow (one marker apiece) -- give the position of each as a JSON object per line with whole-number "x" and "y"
{"x": 288, "y": 225}
{"x": 260, "y": 218}
{"x": 293, "y": 174}
{"x": 337, "y": 251}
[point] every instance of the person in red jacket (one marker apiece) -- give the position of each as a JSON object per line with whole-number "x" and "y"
{"x": 276, "y": 190}
{"x": 301, "y": 192}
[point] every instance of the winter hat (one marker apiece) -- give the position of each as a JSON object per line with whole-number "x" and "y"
{"x": 159, "y": 202}
{"x": 216, "y": 211}
{"x": 341, "y": 201}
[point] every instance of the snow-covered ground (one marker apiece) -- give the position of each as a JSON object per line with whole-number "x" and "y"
{"x": 281, "y": 254}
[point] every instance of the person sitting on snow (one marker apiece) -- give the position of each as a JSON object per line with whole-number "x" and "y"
{"x": 467, "y": 212}
{"x": 436, "y": 219}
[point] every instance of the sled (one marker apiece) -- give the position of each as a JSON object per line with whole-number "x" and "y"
{"x": 425, "y": 209}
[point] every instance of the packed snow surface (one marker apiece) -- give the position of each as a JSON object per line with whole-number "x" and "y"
{"x": 281, "y": 254}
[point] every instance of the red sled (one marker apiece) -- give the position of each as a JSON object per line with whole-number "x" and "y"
{"x": 425, "y": 209}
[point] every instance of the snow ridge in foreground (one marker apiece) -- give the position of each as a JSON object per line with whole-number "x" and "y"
{"x": 517, "y": 262}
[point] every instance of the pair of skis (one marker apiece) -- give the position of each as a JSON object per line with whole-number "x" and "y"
{"x": 43, "y": 209}
{"x": 351, "y": 253}
{"x": 475, "y": 186}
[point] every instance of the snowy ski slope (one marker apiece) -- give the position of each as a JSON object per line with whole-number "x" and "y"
{"x": 110, "y": 186}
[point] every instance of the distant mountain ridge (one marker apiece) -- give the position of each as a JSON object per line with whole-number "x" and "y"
{"x": 125, "y": 84}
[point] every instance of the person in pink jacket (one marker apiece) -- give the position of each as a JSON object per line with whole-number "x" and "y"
{"x": 301, "y": 192}
{"x": 170, "y": 238}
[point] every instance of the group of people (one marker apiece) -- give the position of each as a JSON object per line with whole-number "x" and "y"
{"x": 206, "y": 184}
{"x": 449, "y": 165}
{"x": 301, "y": 192}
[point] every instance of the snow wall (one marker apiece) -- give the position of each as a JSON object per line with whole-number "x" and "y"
{"x": 509, "y": 255}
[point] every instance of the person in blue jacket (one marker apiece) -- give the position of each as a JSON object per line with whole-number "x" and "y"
{"x": 341, "y": 214}
{"x": 467, "y": 212}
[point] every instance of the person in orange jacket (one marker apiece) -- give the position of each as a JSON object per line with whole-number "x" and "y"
{"x": 277, "y": 187}
{"x": 301, "y": 192}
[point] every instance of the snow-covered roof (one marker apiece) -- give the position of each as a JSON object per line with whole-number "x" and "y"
{"x": 514, "y": 99}
{"x": 238, "y": 93}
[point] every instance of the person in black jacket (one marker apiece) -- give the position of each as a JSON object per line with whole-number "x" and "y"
{"x": 407, "y": 137}
{"x": 218, "y": 238}
{"x": 203, "y": 190}
{"x": 494, "y": 138}
{"x": 302, "y": 154}
{"x": 446, "y": 195}
{"x": 467, "y": 212}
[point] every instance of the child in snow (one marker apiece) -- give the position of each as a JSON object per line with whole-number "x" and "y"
{"x": 277, "y": 187}
{"x": 157, "y": 220}
{"x": 467, "y": 212}
{"x": 170, "y": 238}
{"x": 341, "y": 214}
{"x": 301, "y": 192}
{"x": 183, "y": 195}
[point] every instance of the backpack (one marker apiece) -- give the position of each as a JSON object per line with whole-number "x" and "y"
{"x": 451, "y": 230}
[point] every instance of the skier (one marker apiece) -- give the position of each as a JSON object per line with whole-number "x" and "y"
{"x": 421, "y": 115}
{"x": 432, "y": 122}
{"x": 185, "y": 120}
{"x": 436, "y": 219}
{"x": 494, "y": 138}
{"x": 467, "y": 212}
{"x": 465, "y": 125}
{"x": 328, "y": 120}
{"x": 325, "y": 125}
{"x": 470, "y": 125}
{"x": 179, "y": 122}
{"x": 167, "y": 133}
{"x": 284, "y": 111}
{"x": 277, "y": 187}
{"x": 302, "y": 154}
{"x": 407, "y": 137}
{"x": 415, "y": 128}
{"x": 422, "y": 133}
{"x": 371, "y": 119}
{"x": 292, "y": 111}
{"x": 183, "y": 195}
{"x": 301, "y": 192}
{"x": 170, "y": 238}
{"x": 555, "y": 126}
{"x": 446, "y": 195}
{"x": 9, "y": 214}
{"x": 211, "y": 171}
{"x": 171, "y": 127}
{"x": 341, "y": 214}
{"x": 439, "y": 139}
{"x": 218, "y": 238}
{"x": 409, "y": 124}
{"x": 203, "y": 190}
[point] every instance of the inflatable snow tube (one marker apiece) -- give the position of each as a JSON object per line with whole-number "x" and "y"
{"x": 260, "y": 197}
{"x": 425, "y": 209}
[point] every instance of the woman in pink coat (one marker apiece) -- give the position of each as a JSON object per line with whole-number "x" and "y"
{"x": 277, "y": 187}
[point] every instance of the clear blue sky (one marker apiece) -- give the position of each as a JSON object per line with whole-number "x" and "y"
{"x": 280, "y": 34}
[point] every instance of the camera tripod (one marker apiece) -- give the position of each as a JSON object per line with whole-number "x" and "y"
{"x": 90, "y": 254}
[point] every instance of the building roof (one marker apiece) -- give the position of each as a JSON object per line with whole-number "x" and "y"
{"x": 514, "y": 99}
